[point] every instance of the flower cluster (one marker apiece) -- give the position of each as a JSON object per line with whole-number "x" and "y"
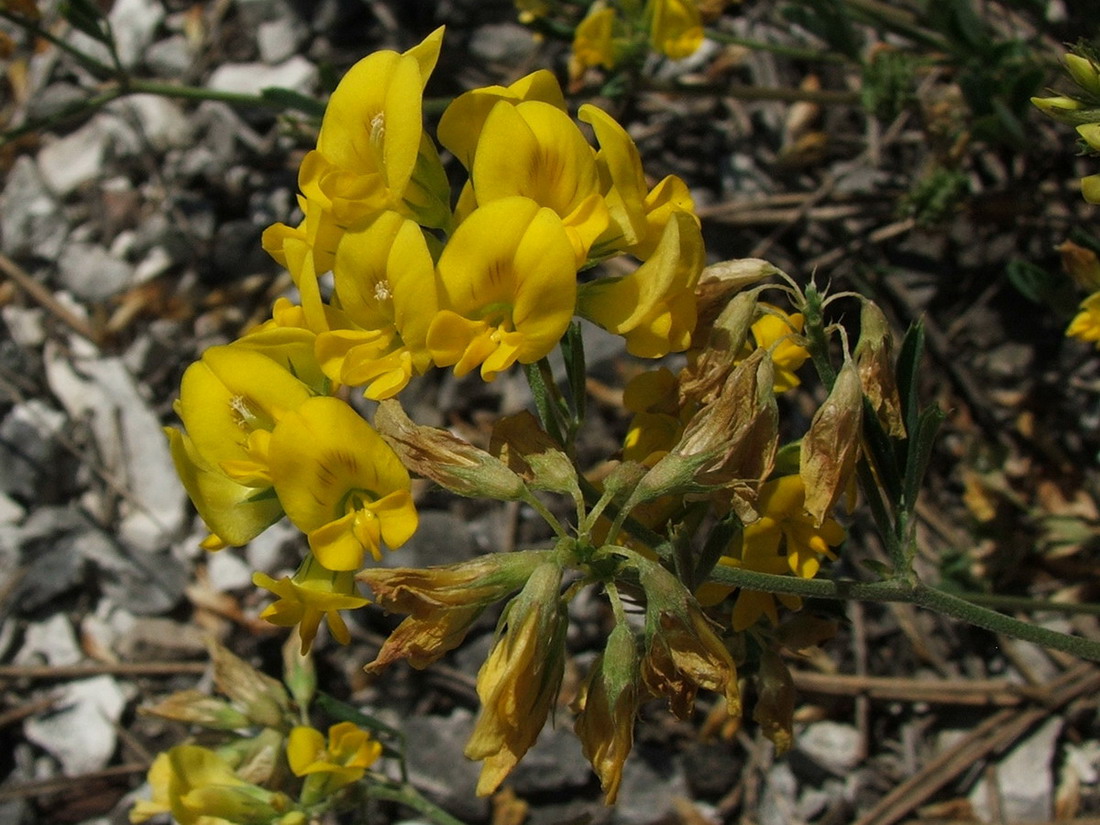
{"x": 397, "y": 275}
{"x": 1080, "y": 108}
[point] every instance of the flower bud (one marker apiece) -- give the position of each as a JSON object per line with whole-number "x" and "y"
{"x": 262, "y": 699}
{"x": 519, "y": 681}
{"x": 529, "y": 451}
{"x": 606, "y": 708}
{"x": 195, "y": 708}
{"x": 447, "y": 460}
{"x": 1090, "y": 188}
{"x": 1090, "y": 133}
{"x": 682, "y": 651}
{"x": 1084, "y": 72}
{"x": 831, "y": 446}
{"x": 1059, "y": 107}
{"x": 875, "y": 359}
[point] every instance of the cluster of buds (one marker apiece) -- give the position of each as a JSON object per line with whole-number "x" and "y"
{"x": 480, "y": 281}
{"x": 259, "y": 763}
{"x": 1080, "y": 108}
{"x": 621, "y": 32}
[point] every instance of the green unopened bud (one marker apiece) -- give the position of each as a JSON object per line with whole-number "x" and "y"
{"x": 606, "y": 707}
{"x": 529, "y": 451}
{"x": 1058, "y": 106}
{"x": 1090, "y": 133}
{"x": 446, "y": 459}
{"x": 1084, "y": 72}
{"x": 262, "y": 699}
{"x": 1090, "y": 188}
{"x": 299, "y": 674}
{"x": 255, "y": 758}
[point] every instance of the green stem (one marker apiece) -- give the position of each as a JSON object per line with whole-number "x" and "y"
{"x": 796, "y": 52}
{"x": 100, "y": 70}
{"x": 409, "y": 796}
{"x": 912, "y": 593}
{"x": 533, "y": 501}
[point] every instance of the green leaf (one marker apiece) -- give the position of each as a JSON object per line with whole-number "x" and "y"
{"x": 572, "y": 350}
{"x": 544, "y": 402}
{"x": 86, "y": 16}
{"x": 921, "y": 441}
{"x": 1042, "y": 286}
{"x": 882, "y": 450}
{"x": 908, "y": 372}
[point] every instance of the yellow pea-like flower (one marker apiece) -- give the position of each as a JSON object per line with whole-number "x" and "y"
{"x": 1085, "y": 326}
{"x": 593, "y": 41}
{"x": 675, "y": 27}
{"x": 229, "y": 402}
{"x": 508, "y": 288}
{"x": 654, "y": 306}
{"x": 233, "y": 512}
{"x": 340, "y": 483}
{"x": 385, "y": 284}
{"x": 784, "y": 541}
{"x": 462, "y": 121}
{"x": 203, "y": 789}
{"x": 313, "y": 593}
{"x": 535, "y": 150}
{"x": 330, "y": 763}
{"x": 776, "y": 332}
{"x": 638, "y": 215}
{"x": 373, "y": 122}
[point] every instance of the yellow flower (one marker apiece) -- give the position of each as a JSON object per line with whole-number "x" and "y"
{"x": 508, "y": 288}
{"x": 314, "y": 592}
{"x": 776, "y": 332}
{"x": 675, "y": 27}
{"x": 158, "y": 777}
{"x": 371, "y": 133}
{"x": 535, "y": 150}
{"x": 1086, "y": 324}
{"x": 519, "y": 681}
{"x": 462, "y": 121}
{"x": 332, "y": 764}
{"x": 654, "y": 306}
{"x": 638, "y": 217}
{"x": 783, "y": 541}
{"x": 229, "y": 402}
{"x": 593, "y": 41}
{"x": 234, "y": 513}
{"x": 204, "y": 790}
{"x": 384, "y": 282}
{"x": 340, "y": 484}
